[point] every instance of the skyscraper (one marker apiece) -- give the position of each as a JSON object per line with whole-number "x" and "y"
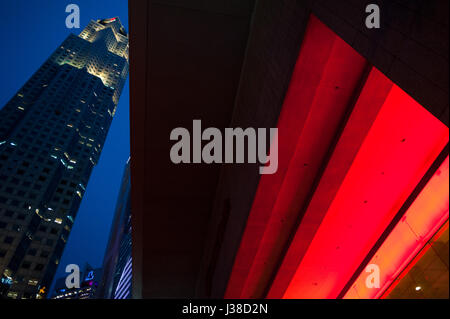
{"x": 116, "y": 281}
{"x": 51, "y": 135}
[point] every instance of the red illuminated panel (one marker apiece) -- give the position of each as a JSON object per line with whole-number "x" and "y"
{"x": 401, "y": 145}
{"x": 424, "y": 217}
{"x": 387, "y": 144}
{"x": 369, "y": 102}
{"x": 325, "y": 77}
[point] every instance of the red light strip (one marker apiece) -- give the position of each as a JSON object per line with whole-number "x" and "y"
{"x": 421, "y": 221}
{"x": 387, "y": 145}
{"x": 369, "y": 102}
{"x": 324, "y": 79}
{"x": 401, "y": 145}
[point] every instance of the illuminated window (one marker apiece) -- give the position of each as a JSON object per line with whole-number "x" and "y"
{"x": 32, "y": 282}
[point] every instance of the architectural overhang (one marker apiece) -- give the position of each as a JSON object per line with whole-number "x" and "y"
{"x": 363, "y": 152}
{"x": 187, "y": 61}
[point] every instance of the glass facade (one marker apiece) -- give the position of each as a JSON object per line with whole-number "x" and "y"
{"x": 51, "y": 135}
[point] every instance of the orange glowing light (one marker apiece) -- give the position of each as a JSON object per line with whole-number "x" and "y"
{"x": 421, "y": 221}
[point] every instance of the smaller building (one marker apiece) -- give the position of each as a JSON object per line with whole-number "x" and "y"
{"x": 117, "y": 264}
{"x": 89, "y": 282}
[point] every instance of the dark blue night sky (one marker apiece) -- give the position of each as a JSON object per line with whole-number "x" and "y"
{"x": 30, "y": 31}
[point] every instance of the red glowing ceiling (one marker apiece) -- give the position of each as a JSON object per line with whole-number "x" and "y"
{"x": 400, "y": 147}
{"x": 352, "y": 148}
{"x": 421, "y": 221}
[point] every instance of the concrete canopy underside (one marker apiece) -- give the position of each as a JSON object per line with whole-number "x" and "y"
{"x": 230, "y": 64}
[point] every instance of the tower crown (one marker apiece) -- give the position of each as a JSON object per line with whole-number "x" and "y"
{"x": 115, "y": 24}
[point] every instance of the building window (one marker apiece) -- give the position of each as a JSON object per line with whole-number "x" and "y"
{"x": 39, "y": 267}
{"x": 26, "y": 265}
{"x": 8, "y": 240}
{"x": 33, "y": 282}
{"x": 12, "y": 294}
{"x": 9, "y": 213}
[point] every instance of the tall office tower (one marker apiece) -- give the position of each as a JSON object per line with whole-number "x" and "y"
{"x": 51, "y": 135}
{"x": 116, "y": 281}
